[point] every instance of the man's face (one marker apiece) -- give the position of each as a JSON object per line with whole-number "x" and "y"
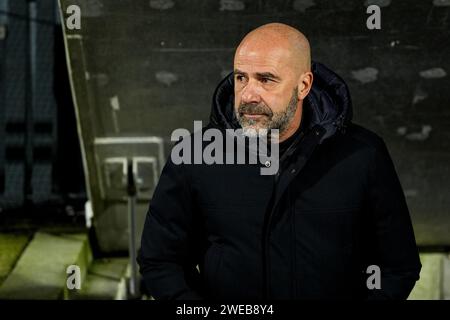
{"x": 265, "y": 90}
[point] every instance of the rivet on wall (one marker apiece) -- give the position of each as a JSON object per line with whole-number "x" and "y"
{"x": 231, "y": 5}
{"x": 161, "y": 4}
{"x": 365, "y": 75}
{"x": 409, "y": 193}
{"x": 433, "y": 73}
{"x": 165, "y": 77}
{"x": 419, "y": 95}
{"x": 115, "y": 106}
{"x": 394, "y": 43}
{"x": 302, "y": 5}
{"x": 380, "y": 3}
{"x": 422, "y": 135}
{"x": 441, "y": 3}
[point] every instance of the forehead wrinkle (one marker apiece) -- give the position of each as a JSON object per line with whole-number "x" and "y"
{"x": 274, "y": 62}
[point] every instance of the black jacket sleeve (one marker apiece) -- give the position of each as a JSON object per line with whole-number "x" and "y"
{"x": 395, "y": 245}
{"x": 168, "y": 255}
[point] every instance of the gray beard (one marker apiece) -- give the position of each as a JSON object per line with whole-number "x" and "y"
{"x": 278, "y": 120}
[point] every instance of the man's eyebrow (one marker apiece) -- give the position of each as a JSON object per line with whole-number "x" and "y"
{"x": 267, "y": 75}
{"x": 259, "y": 74}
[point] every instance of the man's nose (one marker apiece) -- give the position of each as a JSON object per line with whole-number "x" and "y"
{"x": 250, "y": 93}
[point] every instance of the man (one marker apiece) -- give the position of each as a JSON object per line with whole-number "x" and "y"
{"x": 334, "y": 208}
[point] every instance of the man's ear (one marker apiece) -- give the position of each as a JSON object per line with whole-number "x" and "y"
{"x": 305, "y": 84}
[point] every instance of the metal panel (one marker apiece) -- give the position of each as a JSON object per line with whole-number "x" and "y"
{"x": 13, "y": 94}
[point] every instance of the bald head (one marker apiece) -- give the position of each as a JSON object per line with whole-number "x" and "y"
{"x": 272, "y": 77}
{"x": 286, "y": 40}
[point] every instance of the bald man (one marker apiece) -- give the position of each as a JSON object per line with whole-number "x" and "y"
{"x": 332, "y": 223}
{"x": 283, "y": 53}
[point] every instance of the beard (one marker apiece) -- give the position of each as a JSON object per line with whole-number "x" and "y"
{"x": 272, "y": 120}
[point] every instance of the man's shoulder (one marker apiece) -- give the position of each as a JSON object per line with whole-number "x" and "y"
{"x": 364, "y": 137}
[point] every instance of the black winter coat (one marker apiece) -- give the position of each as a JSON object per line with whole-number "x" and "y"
{"x": 309, "y": 232}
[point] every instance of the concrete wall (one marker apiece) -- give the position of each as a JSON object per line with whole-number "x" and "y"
{"x": 144, "y": 68}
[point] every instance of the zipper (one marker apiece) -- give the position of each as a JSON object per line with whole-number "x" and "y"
{"x": 316, "y": 134}
{"x": 269, "y": 214}
{"x": 265, "y": 238}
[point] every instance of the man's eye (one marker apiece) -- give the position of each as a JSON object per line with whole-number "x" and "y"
{"x": 240, "y": 78}
{"x": 266, "y": 80}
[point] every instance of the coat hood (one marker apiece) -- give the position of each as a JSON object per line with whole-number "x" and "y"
{"x": 327, "y": 105}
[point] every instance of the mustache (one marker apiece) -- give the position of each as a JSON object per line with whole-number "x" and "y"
{"x": 250, "y": 108}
